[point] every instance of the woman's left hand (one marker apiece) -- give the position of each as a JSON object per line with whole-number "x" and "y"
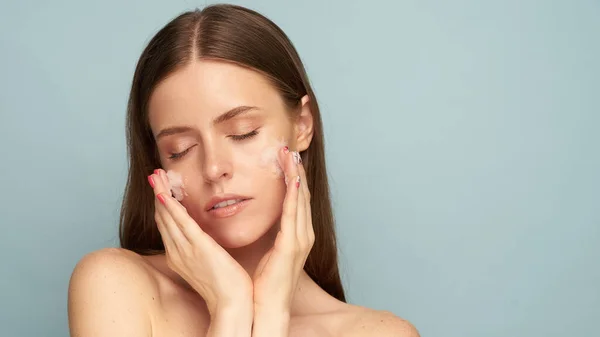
{"x": 277, "y": 274}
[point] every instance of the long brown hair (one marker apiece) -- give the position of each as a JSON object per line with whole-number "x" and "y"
{"x": 244, "y": 37}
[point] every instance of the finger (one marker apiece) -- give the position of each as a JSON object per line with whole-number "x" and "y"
{"x": 301, "y": 216}
{"x": 162, "y": 174}
{"x": 177, "y": 240}
{"x": 160, "y": 184}
{"x": 190, "y": 229}
{"x": 164, "y": 234}
{"x": 285, "y": 158}
{"x": 160, "y": 223}
{"x": 301, "y": 224}
{"x": 309, "y": 230}
{"x": 177, "y": 237}
{"x": 165, "y": 179}
{"x": 290, "y": 203}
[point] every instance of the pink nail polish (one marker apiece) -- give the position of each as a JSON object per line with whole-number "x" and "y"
{"x": 298, "y": 181}
{"x": 151, "y": 181}
{"x": 161, "y": 198}
{"x": 286, "y": 149}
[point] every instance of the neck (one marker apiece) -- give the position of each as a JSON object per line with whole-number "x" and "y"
{"x": 249, "y": 256}
{"x": 307, "y": 291}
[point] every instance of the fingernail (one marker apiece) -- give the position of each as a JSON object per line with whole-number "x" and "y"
{"x": 151, "y": 181}
{"x": 298, "y": 181}
{"x": 161, "y": 198}
{"x": 157, "y": 172}
{"x": 286, "y": 149}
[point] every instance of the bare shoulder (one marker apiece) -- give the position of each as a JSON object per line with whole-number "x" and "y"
{"x": 365, "y": 322}
{"x": 109, "y": 294}
{"x": 103, "y": 267}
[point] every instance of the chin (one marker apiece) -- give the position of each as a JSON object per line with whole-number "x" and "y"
{"x": 243, "y": 226}
{"x": 242, "y": 229}
{"x": 233, "y": 236}
{"x": 235, "y": 240}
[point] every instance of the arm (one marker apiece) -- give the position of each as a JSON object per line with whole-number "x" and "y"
{"x": 106, "y": 297}
{"x": 277, "y": 274}
{"x": 271, "y": 323}
{"x": 208, "y": 268}
{"x": 235, "y": 321}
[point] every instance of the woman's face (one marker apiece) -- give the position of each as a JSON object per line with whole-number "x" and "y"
{"x": 220, "y": 126}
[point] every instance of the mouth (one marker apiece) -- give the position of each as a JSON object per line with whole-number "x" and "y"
{"x": 226, "y": 205}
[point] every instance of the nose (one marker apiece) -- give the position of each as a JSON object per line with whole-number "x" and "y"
{"x": 217, "y": 163}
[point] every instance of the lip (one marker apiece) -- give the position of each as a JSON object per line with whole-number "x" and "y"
{"x": 223, "y": 197}
{"x": 230, "y": 210}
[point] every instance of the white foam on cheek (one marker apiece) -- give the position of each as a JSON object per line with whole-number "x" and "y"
{"x": 177, "y": 186}
{"x": 268, "y": 157}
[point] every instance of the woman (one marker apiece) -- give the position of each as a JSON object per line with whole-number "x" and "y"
{"x": 226, "y": 224}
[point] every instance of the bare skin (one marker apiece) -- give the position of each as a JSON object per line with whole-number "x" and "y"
{"x": 238, "y": 275}
{"x": 149, "y": 299}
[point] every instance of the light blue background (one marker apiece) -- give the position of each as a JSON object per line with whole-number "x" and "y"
{"x": 462, "y": 141}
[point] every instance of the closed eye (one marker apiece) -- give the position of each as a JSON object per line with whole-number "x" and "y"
{"x": 178, "y": 155}
{"x": 244, "y": 136}
{"x": 237, "y": 138}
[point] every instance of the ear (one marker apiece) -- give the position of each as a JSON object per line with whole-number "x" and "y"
{"x": 304, "y": 125}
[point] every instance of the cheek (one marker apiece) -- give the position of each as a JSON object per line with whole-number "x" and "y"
{"x": 270, "y": 194}
{"x": 260, "y": 159}
{"x": 264, "y": 175}
{"x": 272, "y": 186}
{"x": 267, "y": 158}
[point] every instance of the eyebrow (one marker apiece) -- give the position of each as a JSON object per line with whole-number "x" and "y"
{"x": 220, "y": 119}
{"x": 233, "y": 113}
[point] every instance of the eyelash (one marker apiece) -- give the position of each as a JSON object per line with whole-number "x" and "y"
{"x": 175, "y": 156}
{"x": 237, "y": 138}
{"x": 244, "y": 136}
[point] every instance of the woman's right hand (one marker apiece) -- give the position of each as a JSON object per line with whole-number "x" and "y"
{"x": 225, "y": 286}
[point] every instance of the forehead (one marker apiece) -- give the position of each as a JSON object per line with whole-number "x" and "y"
{"x": 209, "y": 88}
